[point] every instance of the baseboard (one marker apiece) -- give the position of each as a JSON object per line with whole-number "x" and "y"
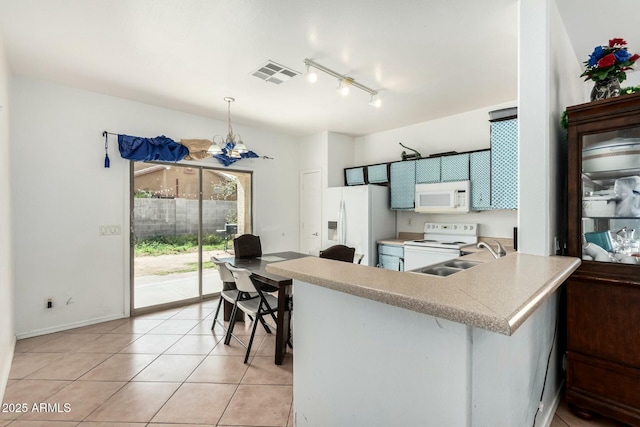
{"x": 548, "y": 419}
{"x": 5, "y": 366}
{"x": 68, "y": 326}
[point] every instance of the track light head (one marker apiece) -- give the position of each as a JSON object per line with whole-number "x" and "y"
{"x": 311, "y": 75}
{"x": 343, "y": 89}
{"x": 375, "y": 101}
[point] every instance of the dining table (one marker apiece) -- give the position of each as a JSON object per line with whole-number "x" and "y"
{"x": 257, "y": 267}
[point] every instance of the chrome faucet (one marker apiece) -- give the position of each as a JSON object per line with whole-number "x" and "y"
{"x": 501, "y": 252}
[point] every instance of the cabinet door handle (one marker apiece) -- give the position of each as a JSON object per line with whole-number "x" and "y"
{"x": 315, "y": 234}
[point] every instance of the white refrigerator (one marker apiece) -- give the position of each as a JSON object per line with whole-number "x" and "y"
{"x": 358, "y": 216}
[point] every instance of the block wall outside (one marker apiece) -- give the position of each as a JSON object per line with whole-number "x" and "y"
{"x": 174, "y": 217}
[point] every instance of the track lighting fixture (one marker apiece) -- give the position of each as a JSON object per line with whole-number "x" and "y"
{"x": 375, "y": 101}
{"x": 344, "y": 82}
{"x": 311, "y": 75}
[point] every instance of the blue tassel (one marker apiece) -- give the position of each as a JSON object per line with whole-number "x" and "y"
{"x": 107, "y": 163}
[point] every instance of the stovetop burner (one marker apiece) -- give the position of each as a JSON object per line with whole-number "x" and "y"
{"x": 446, "y": 235}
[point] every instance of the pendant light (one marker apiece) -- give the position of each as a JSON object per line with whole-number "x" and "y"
{"x": 232, "y": 145}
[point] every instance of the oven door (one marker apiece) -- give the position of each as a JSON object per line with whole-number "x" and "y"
{"x": 421, "y": 256}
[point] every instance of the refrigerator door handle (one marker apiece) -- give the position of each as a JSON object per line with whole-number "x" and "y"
{"x": 342, "y": 226}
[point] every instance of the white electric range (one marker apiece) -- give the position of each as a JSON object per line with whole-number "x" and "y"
{"x": 442, "y": 242}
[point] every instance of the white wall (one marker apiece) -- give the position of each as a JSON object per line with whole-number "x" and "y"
{"x": 62, "y": 193}
{"x": 7, "y": 337}
{"x": 412, "y": 369}
{"x": 461, "y": 132}
{"x": 340, "y": 153}
{"x": 566, "y": 88}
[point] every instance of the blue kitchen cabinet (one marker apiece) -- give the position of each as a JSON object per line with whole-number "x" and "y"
{"x": 504, "y": 164}
{"x": 355, "y": 176}
{"x": 428, "y": 170}
{"x": 403, "y": 184}
{"x": 480, "y": 175}
{"x": 378, "y": 174}
{"x": 455, "y": 168}
{"x": 391, "y": 257}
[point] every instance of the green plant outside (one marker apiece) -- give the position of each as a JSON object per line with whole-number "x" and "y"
{"x": 167, "y": 245}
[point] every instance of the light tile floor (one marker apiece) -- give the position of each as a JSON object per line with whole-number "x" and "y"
{"x": 166, "y": 369}
{"x": 157, "y": 370}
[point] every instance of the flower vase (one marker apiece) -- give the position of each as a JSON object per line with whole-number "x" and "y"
{"x": 607, "y": 88}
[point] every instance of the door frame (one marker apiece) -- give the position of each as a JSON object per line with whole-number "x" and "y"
{"x": 320, "y": 230}
{"x": 129, "y": 306}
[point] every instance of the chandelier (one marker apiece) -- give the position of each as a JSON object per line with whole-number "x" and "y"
{"x": 232, "y": 145}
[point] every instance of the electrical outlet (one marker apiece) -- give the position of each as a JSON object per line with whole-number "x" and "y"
{"x": 109, "y": 230}
{"x": 409, "y": 221}
{"x": 48, "y": 303}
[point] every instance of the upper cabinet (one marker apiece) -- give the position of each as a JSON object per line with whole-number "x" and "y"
{"x": 403, "y": 184}
{"x": 355, "y": 176}
{"x": 504, "y": 161}
{"x": 378, "y": 174}
{"x": 480, "y": 175}
{"x": 428, "y": 170}
{"x": 455, "y": 168}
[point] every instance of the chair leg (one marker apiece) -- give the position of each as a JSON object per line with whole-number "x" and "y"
{"x": 264, "y": 324}
{"x": 232, "y": 322}
{"x": 253, "y": 334}
{"x": 215, "y": 317}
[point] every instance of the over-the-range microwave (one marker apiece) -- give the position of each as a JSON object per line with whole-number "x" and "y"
{"x": 443, "y": 197}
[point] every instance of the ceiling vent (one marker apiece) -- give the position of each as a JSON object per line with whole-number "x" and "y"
{"x": 274, "y": 73}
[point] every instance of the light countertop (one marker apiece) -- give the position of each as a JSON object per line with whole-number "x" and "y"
{"x": 498, "y": 295}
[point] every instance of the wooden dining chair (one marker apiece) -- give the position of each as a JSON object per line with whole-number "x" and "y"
{"x": 247, "y": 246}
{"x": 339, "y": 253}
{"x": 256, "y": 308}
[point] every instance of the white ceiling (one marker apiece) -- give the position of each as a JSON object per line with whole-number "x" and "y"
{"x": 427, "y": 58}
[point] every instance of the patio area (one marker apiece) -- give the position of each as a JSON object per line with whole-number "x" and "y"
{"x": 163, "y": 279}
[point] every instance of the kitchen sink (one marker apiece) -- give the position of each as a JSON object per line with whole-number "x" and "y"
{"x": 447, "y": 268}
{"x": 439, "y": 271}
{"x": 461, "y": 264}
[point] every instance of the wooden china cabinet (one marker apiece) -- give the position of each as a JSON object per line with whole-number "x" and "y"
{"x": 603, "y": 295}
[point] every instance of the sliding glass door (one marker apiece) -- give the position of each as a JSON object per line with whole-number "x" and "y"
{"x": 181, "y": 216}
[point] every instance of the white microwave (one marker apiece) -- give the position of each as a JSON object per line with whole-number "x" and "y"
{"x": 443, "y": 197}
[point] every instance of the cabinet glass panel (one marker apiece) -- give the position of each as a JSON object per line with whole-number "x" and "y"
{"x": 611, "y": 196}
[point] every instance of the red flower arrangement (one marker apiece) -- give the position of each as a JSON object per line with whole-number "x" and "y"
{"x": 609, "y": 61}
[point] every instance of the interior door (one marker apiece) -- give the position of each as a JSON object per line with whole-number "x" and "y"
{"x": 310, "y": 212}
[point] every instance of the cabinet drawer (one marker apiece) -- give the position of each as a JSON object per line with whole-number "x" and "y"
{"x": 595, "y": 377}
{"x": 392, "y": 250}
{"x": 603, "y": 319}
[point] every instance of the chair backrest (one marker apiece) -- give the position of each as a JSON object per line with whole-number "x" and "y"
{"x": 225, "y": 274}
{"x": 247, "y": 246}
{"x": 339, "y": 253}
{"x": 243, "y": 278}
{"x": 358, "y": 258}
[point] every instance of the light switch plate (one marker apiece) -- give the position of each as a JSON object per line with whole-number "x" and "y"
{"x": 109, "y": 230}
